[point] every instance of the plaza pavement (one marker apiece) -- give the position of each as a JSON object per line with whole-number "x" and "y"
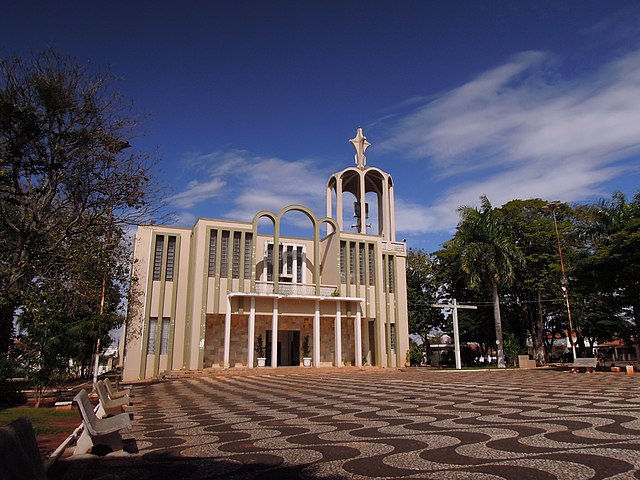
{"x": 374, "y": 423}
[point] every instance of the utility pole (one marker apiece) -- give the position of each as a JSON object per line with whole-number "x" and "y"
{"x": 552, "y": 207}
{"x": 454, "y": 305}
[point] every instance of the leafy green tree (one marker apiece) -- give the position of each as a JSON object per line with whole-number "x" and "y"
{"x": 67, "y": 174}
{"x": 488, "y": 257}
{"x": 609, "y": 269}
{"x": 422, "y": 291}
{"x": 535, "y": 292}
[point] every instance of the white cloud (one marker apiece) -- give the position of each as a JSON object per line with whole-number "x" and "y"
{"x": 513, "y": 133}
{"x": 197, "y": 192}
{"x": 243, "y": 184}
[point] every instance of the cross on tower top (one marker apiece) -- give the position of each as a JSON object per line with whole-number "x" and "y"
{"x": 360, "y": 144}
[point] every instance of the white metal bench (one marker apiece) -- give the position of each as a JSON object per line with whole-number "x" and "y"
{"x": 589, "y": 364}
{"x": 109, "y": 405}
{"x": 98, "y": 431}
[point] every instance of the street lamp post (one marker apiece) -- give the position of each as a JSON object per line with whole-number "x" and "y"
{"x": 552, "y": 207}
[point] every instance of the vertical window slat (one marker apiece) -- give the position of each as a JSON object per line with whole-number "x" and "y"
{"x": 171, "y": 257}
{"x": 224, "y": 255}
{"x": 270, "y": 262}
{"x": 352, "y": 263}
{"x": 248, "y": 248}
{"x": 372, "y": 265}
{"x": 235, "y": 265}
{"x": 157, "y": 257}
{"x": 164, "y": 336}
{"x": 153, "y": 334}
{"x": 343, "y": 262}
{"x": 213, "y": 242}
{"x": 361, "y": 265}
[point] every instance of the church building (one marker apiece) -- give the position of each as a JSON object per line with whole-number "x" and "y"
{"x": 227, "y": 294}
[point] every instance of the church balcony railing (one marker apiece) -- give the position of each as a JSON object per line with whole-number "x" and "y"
{"x": 294, "y": 289}
{"x": 398, "y": 247}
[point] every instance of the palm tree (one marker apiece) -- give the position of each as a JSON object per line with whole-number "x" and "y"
{"x": 488, "y": 256}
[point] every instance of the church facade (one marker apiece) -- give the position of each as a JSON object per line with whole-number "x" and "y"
{"x": 226, "y": 294}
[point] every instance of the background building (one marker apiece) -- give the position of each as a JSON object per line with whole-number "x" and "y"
{"x": 202, "y": 297}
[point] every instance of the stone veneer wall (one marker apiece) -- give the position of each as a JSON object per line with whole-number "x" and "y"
{"x": 214, "y": 338}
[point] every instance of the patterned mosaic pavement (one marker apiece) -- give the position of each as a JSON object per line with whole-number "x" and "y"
{"x": 516, "y": 424}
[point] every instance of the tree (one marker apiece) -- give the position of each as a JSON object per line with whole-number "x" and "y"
{"x": 488, "y": 256}
{"x": 537, "y": 278}
{"x": 422, "y": 291}
{"x": 67, "y": 176}
{"x": 610, "y": 264}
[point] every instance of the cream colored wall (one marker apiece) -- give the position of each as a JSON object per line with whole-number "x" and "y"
{"x": 330, "y": 247}
{"x": 196, "y": 317}
{"x": 135, "y": 316}
{"x": 402, "y": 320}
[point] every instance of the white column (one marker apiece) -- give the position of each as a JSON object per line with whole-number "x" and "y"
{"x": 357, "y": 333}
{"x": 316, "y": 335}
{"x": 339, "y": 218}
{"x": 329, "y": 207}
{"x": 227, "y": 333}
{"x": 251, "y": 329}
{"x": 338, "y": 335}
{"x": 392, "y": 214}
{"x": 274, "y": 335}
{"x": 456, "y": 336}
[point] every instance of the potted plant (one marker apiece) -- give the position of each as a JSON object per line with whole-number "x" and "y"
{"x": 259, "y": 348}
{"x": 306, "y": 352}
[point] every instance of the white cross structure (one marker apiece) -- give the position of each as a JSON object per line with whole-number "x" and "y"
{"x": 454, "y": 305}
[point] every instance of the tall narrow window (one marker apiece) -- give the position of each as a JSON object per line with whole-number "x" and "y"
{"x": 171, "y": 258}
{"x": 299, "y": 264}
{"x": 343, "y": 262}
{"x": 392, "y": 335}
{"x": 153, "y": 334}
{"x": 352, "y": 262}
{"x": 213, "y": 242}
{"x": 157, "y": 257}
{"x": 372, "y": 265}
{"x": 289, "y": 258}
{"x": 391, "y": 273}
{"x": 270, "y": 262}
{"x": 361, "y": 264}
{"x": 164, "y": 336}
{"x": 248, "y": 250}
{"x": 224, "y": 255}
{"x": 235, "y": 265}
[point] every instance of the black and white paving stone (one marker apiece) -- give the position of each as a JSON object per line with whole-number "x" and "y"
{"x": 362, "y": 424}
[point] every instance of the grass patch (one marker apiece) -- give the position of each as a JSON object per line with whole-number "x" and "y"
{"x": 44, "y": 420}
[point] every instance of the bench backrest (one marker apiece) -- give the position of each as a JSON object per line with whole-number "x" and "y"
{"x": 103, "y": 395}
{"x": 19, "y": 455}
{"x": 111, "y": 390}
{"x": 86, "y": 410}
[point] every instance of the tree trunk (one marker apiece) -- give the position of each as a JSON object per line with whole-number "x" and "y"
{"x": 6, "y": 327}
{"x": 498, "y": 324}
{"x": 537, "y": 333}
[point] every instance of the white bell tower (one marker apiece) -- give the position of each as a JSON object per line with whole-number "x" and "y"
{"x": 359, "y": 181}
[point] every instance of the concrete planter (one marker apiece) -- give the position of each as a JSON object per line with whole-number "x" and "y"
{"x": 306, "y": 362}
{"x": 261, "y": 361}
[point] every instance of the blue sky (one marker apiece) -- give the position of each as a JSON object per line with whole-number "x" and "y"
{"x": 243, "y": 100}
